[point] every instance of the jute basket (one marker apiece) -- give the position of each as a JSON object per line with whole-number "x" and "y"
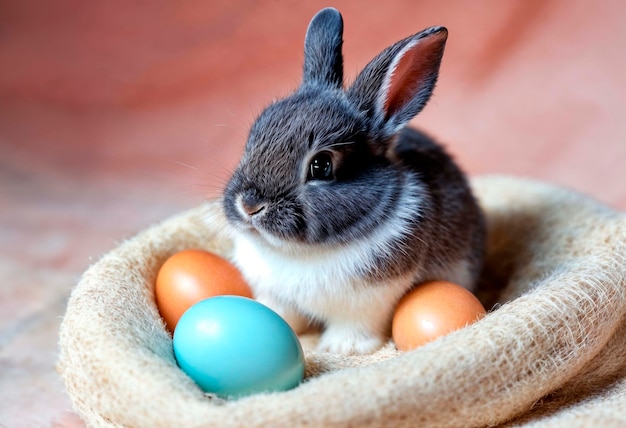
{"x": 551, "y": 352}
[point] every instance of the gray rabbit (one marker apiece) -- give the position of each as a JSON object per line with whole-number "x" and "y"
{"x": 337, "y": 208}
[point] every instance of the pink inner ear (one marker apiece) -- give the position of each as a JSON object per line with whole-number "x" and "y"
{"x": 413, "y": 71}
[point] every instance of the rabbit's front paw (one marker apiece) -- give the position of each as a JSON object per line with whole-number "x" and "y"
{"x": 346, "y": 340}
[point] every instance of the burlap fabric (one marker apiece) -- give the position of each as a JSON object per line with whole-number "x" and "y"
{"x": 552, "y": 351}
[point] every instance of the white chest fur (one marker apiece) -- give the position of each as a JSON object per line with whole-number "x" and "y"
{"x": 321, "y": 283}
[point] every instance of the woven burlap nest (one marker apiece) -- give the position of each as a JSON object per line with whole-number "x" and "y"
{"x": 552, "y": 352}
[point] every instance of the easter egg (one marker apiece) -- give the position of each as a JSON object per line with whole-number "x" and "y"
{"x": 193, "y": 275}
{"x": 431, "y": 310}
{"x": 234, "y": 346}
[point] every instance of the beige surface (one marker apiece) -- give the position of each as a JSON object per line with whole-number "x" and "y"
{"x": 549, "y": 353}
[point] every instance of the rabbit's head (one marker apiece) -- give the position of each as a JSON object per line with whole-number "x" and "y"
{"x": 318, "y": 166}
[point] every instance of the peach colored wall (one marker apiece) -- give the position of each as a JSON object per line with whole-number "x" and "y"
{"x": 528, "y": 87}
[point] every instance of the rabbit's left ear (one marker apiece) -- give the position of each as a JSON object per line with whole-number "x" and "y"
{"x": 396, "y": 85}
{"x": 323, "y": 60}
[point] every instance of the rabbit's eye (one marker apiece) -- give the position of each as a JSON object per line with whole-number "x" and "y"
{"x": 321, "y": 167}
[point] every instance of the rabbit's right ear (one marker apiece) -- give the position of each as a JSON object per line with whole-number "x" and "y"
{"x": 396, "y": 85}
{"x": 323, "y": 60}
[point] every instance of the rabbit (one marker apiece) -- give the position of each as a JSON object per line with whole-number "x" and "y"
{"x": 337, "y": 208}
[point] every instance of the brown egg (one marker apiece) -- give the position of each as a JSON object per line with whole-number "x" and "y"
{"x": 431, "y": 310}
{"x": 193, "y": 275}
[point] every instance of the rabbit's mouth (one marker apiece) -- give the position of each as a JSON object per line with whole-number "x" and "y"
{"x": 276, "y": 221}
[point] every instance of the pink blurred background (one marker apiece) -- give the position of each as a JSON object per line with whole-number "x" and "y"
{"x": 117, "y": 114}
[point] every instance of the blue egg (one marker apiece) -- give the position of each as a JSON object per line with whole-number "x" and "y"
{"x": 234, "y": 346}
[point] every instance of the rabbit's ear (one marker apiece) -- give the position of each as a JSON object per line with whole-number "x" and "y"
{"x": 396, "y": 85}
{"x": 323, "y": 61}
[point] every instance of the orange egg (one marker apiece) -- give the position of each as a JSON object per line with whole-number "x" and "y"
{"x": 193, "y": 275}
{"x": 431, "y": 310}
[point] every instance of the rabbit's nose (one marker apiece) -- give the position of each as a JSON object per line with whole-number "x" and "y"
{"x": 251, "y": 204}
